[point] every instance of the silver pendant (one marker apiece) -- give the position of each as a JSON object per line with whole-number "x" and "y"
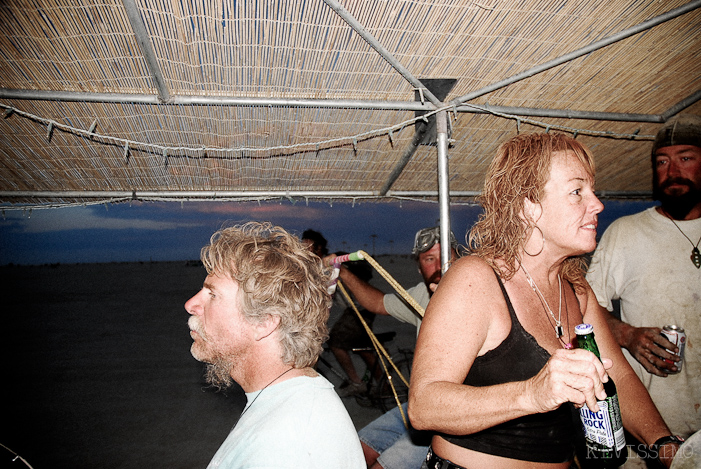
{"x": 696, "y": 257}
{"x": 559, "y": 331}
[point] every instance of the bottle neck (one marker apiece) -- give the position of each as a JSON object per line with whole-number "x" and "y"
{"x": 587, "y": 342}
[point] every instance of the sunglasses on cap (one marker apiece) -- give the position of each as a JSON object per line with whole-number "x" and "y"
{"x": 427, "y": 238}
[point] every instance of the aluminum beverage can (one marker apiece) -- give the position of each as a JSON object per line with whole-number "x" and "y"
{"x": 677, "y": 336}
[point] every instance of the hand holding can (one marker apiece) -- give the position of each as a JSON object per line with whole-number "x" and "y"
{"x": 677, "y": 336}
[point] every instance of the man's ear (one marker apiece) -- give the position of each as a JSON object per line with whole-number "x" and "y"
{"x": 267, "y": 326}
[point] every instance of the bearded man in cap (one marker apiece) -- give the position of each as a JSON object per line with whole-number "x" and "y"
{"x": 651, "y": 262}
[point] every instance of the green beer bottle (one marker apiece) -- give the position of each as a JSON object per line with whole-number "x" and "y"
{"x": 603, "y": 430}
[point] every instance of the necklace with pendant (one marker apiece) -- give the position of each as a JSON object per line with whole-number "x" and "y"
{"x": 261, "y": 391}
{"x": 695, "y": 254}
{"x": 558, "y": 322}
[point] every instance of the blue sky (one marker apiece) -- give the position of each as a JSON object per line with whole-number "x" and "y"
{"x": 170, "y": 231}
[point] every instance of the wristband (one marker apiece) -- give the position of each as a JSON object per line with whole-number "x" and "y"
{"x": 655, "y": 447}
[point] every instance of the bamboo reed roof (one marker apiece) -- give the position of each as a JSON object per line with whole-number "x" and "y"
{"x": 318, "y": 99}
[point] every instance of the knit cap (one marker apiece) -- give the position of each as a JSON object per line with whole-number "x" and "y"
{"x": 684, "y": 129}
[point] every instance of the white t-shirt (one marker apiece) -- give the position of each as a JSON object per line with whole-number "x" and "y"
{"x": 397, "y": 308}
{"x": 298, "y": 423}
{"x": 644, "y": 261}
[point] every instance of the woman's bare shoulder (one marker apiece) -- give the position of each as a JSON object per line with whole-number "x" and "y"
{"x": 473, "y": 267}
{"x": 471, "y": 261}
{"x": 468, "y": 298}
{"x": 468, "y": 276}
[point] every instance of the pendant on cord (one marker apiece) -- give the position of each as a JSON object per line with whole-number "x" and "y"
{"x": 559, "y": 331}
{"x": 696, "y": 257}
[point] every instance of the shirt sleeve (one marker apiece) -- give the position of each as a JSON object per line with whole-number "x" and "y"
{"x": 399, "y": 309}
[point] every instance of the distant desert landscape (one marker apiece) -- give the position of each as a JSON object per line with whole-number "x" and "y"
{"x": 99, "y": 373}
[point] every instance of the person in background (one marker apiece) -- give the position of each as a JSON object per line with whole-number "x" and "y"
{"x": 651, "y": 263}
{"x": 316, "y": 242}
{"x": 386, "y": 441}
{"x": 260, "y": 321}
{"x": 349, "y": 333}
{"x": 495, "y": 373}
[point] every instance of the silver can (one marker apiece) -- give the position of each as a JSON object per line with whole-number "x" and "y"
{"x": 677, "y": 336}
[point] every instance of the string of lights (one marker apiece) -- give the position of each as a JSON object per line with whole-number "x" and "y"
{"x": 250, "y": 152}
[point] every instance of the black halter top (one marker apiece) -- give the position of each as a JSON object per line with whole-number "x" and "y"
{"x": 547, "y": 437}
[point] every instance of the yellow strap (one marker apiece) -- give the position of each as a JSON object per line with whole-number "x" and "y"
{"x": 397, "y": 287}
{"x": 381, "y": 351}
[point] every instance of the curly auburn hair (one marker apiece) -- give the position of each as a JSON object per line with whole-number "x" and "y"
{"x": 277, "y": 275}
{"x": 520, "y": 170}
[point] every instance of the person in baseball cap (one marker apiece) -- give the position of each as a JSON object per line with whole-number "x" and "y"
{"x": 650, "y": 261}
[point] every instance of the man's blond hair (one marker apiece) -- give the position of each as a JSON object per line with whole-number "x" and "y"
{"x": 277, "y": 275}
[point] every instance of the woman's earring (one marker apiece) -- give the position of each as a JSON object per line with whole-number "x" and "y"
{"x": 541, "y": 247}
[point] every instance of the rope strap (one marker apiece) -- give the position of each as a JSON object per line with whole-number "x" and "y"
{"x": 397, "y": 287}
{"x": 379, "y": 348}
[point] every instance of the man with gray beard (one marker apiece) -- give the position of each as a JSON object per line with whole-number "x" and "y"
{"x": 260, "y": 321}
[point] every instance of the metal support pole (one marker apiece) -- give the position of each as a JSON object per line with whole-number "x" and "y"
{"x": 443, "y": 187}
{"x": 144, "y": 41}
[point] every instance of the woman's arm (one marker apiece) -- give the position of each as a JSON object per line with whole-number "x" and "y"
{"x": 640, "y": 416}
{"x": 466, "y": 317}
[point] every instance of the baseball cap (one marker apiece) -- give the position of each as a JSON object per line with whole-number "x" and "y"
{"x": 684, "y": 129}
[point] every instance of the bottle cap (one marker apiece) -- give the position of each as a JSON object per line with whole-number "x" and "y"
{"x": 583, "y": 329}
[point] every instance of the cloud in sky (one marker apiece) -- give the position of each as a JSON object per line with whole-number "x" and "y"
{"x": 82, "y": 218}
{"x": 173, "y": 231}
{"x": 148, "y": 216}
{"x": 254, "y": 210}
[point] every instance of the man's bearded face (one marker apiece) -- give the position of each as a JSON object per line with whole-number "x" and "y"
{"x": 677, "y": 179}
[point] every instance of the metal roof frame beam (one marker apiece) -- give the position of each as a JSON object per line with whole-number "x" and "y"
{"x": 125, "y": 98}
{"x": 403, "y": 161}
{"x": 144, "y": 41}
{"x": 681, "y": 105}
{"x": 380, "y": 49}
{"x": 212, "y": 195}
{"x": 594, "y": 46}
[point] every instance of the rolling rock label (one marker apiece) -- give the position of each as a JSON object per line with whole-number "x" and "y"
{"x": 604, "y": 428}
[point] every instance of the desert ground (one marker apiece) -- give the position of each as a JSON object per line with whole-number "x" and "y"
{"x": 98, "y": 371}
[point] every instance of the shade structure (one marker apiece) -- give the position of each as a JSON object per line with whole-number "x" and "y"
{"x": 186, "y": 99}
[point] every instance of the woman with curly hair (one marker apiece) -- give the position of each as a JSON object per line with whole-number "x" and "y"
{"x": 495, "y": 374}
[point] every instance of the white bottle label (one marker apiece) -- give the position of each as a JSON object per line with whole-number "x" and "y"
{"x": 598, "y": 428}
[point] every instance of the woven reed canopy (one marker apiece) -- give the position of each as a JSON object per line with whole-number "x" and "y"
{"x": 327, "y": 99}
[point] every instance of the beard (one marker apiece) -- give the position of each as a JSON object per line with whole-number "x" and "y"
{"x": 677, "y": 204}
{"x": 219, "y": 365}
{"x": 218, "y": 375}
{"x": 436, "y": 277}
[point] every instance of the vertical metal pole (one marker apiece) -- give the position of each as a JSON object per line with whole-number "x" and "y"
{"x": 443, "y": 187}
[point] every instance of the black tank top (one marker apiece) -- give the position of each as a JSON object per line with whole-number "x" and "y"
{"x": 547, "y": 437}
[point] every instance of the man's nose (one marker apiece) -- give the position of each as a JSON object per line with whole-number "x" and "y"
{"x": 191, "y": 305}
{"x": 673, "y": 170}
